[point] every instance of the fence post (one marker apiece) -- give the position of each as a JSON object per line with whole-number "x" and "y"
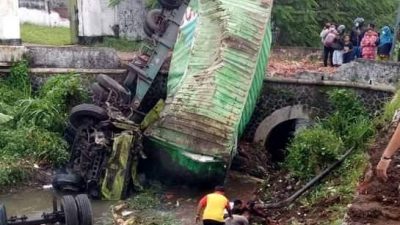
{"x": 73, "y": 18}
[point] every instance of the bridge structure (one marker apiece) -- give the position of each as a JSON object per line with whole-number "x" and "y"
{"x": 286, "y": 104}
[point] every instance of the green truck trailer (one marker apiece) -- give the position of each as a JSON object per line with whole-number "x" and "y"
{"x": 216, "y": 75}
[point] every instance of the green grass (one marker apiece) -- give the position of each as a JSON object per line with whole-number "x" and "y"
{"x": 43, "y": 35}
{"x": 120, "y": 44}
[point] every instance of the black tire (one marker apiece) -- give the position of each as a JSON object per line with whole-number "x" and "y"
{"x": 3, "y": 215}
{"x": 70, "y": 209}
{"x": 82, "y": 112}
{"x": 170, "y": 4}
{"x": 98, "y": 91}
{"x": 109, "y": 83}
{"x": 153, "y": 19}
{"x": 68, "y": 182}
{"x": 85, "y": 212}
{"x": 130, "y": 82}
{"x": 148, "y": 31}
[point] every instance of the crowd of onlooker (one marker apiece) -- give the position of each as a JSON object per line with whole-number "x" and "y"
{"x": 342, "y": 46}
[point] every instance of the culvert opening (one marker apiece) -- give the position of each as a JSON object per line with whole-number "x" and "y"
{"x": 279, "y": 138}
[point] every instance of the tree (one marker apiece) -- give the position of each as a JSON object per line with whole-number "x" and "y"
{"x": 300, "y": 21}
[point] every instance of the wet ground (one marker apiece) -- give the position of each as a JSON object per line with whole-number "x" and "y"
{"x": 378, "y": 203}
{"x": 238, "y": 186}
{"x": 181, "y": 201}
{"x": 33, "y": 202}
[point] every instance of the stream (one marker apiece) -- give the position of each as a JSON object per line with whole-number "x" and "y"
{"x": 33, "y": 202}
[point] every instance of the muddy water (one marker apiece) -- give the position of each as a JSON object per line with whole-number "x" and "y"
{"x": 34, "y": 202}
{"x": 181, "y": 201}
{"x": 185, "y": 199}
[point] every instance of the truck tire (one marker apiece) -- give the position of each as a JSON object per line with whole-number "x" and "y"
{"x": 130, "y": 82}
{"x": 170, "y": 4}
{"x": 82, "y": 112}
{"x": 85, "y": 212}
{"x": 109, "y": 83}
{"x": 3, "y": 215}
{"x": 148, "y": 31}
{"x": 70, "y": 209}
{"x": 153, "y": 19}
{"x": 98, "y": 91}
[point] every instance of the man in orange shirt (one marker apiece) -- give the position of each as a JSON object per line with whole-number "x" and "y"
{"x": 213, "y": 205}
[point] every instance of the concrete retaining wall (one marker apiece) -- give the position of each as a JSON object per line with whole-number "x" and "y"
{"x": 73, "y": 57}
{"x": 367, "y": 71}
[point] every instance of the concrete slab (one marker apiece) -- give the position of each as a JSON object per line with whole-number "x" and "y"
{"x": 10, "y": 54}
{"x": 73, "y": 57}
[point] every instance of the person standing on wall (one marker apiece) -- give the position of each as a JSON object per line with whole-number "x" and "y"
{"x": 328, "y": 45}
{"x": 385, "y": 43}
{"x": 369, "y": 43}
{"x": 338, "y": 47}
{"x": 357, "y": 35}
{"x": 211, "y": 208}
{"x": 347, "y": 49}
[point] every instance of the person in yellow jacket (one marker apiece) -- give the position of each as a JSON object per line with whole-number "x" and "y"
{"x": 211, "y": 208}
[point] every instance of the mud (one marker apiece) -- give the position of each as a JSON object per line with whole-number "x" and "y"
{"x": 378, "y": 202}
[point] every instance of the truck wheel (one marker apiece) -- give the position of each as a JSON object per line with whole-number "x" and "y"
{"x": 98, "y": 91}
{"x": 147, "y": 30}
{"x": 3, "y": 215}
{"x": 85, "y": 212}
{"x": 154, "y": 19}
{"x": 170, "y": 4}
{"x": 70, "y": 209}
{"x": 86, "y": 111}
{"x": 110, "y": 83}
{"x": 130, "y": 82}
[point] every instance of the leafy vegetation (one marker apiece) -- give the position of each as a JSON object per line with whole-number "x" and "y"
{"x": 120, "y": 44}
{"x": 300, "y": 22}
{"x": 313, "y": 149}
{"x": 33, "y": 122}
{"x": 44, "y": 35}
{"x": 149, "y": 208}
{"x": 389, "y": 110}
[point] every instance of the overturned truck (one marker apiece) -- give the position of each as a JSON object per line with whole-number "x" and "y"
{"x": 219, "y": 57}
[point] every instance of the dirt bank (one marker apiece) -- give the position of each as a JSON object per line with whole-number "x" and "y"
{"x": 378, "y": 203}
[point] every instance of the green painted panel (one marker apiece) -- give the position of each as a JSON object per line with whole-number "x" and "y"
{"x": 216, "y": 76}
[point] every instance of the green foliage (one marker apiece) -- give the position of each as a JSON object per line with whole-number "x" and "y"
{"x": 33, "y": 123}
{"x": 300, "y": 22}
{"x": 120, "y": 44}
{"x": 145, "y": 200}
{"x": 149, "y": 3}
{"x": 45, "y": 35}
{"x": 389, "y": 110}
{"x": 19, "y": 78}
{"x": 33, "y": 143}
{"x": 350, "y": 121}
{"x": 312, "y": 150}
{"x": 11, "y": 172}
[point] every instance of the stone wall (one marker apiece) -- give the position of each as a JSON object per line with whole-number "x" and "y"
{"x": 276, "y": 95}
{"x": 367, "y": 71}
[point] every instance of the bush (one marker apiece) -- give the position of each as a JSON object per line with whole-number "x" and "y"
{"x": 350, "y": 121}
{"x": 33, "y": 143}
{"x": 312, "y": 150}
{"x": 11, "y": 172}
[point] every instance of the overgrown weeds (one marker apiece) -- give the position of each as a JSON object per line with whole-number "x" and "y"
{"x": 32, "y": 123}
{"x": 313, "y": 149}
